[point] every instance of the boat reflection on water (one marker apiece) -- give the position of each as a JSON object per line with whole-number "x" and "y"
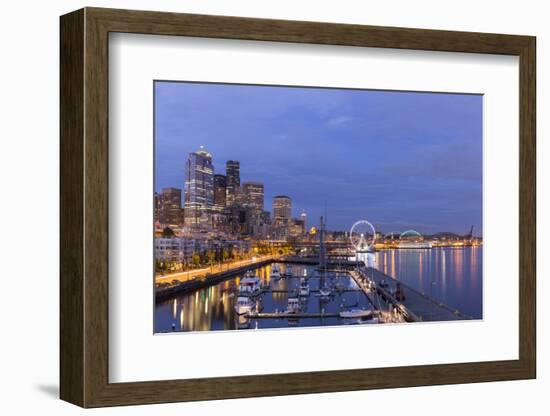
{"x": 223, "y": 306}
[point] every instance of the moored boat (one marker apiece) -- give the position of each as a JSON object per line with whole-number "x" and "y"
{"x": 303, "y": 290}
{"x": 275, "y": 273}
{"x": 325, "y": 292}
{"x": 244, "y": 305}
{"x": 250, "y": 286}
{"x": 363, "y": 321}
{"x": 356, "y": 313}
{"x": 293, "y": 305}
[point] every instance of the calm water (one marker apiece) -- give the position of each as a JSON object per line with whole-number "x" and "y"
{"x": 212, "y": 308}
{"x": 450, "y": 275}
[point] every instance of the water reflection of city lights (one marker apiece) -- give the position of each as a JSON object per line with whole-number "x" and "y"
{"x": 213, "y": 307}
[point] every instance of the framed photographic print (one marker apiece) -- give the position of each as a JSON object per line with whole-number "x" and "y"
{"x": 255, "y": 207}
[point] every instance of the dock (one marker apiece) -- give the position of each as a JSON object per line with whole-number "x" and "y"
{"x": 314, "y": 261}
{"x": 311, "y": 290}
{"x": 285, "y": 315}
{"x": 416, "y": 307}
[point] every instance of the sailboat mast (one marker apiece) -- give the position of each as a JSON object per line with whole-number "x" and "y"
{"x": 322, "y": 257}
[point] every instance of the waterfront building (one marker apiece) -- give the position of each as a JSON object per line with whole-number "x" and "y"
{"x": 199, "y": 189}
{"x": 253, "y": 195}
{"x": 169, "y": 207}
{"x": 172, "y": 249}
{"x": 233, "y": 181}
{"x": 220, "y": 190}
{"x": 182, "y": 249}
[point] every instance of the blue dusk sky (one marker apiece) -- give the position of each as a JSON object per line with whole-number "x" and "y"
{"x": 401, "y": 160}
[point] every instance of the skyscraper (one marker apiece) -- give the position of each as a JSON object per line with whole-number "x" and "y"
{"x": 282, "y": 215}
{"x": 220, "y": 189}
{"x": 199, "y": 188}
{"x": 282, "y": 209}
{"x": 156, "y": 207}
{"x": 169, "y": 207}
{"x": 233, "y": 180}
{"x": 254, "y": 195}
{"x": 303, "y": 217}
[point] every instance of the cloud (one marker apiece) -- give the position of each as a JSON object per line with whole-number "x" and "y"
{"x": 339, "y": 121}
{"x": 407, "y": 157}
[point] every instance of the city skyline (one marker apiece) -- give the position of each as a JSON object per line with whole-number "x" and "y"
{"x": 399, "y": 171}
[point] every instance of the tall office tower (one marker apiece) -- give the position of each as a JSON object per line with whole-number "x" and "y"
{"x": 199, "y": 189}
{"x": 303, "y": 218}
{"x": 253, "y": 193}
{"x": 233, "y": 181}
{"x": 170, "y": 207}
{"x": 282, "y": 215}
{"x": 282, "y": 209}
{"x": 220, "y": 189}
{"x": 156, "y": 207}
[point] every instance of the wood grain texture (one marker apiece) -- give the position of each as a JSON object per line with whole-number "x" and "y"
{"x": 527, "y": 208}
{"x": 84, "y": 207}
{"x": 71, "y": 208}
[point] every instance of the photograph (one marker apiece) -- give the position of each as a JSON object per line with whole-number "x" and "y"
{"x": 338, "y": 205}
{"x": 296, "y": 206}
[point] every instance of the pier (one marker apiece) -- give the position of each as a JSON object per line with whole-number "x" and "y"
{"x": 415, "y": 307}
{"x": 287, "y": 315}
{"x": 314, "y": 261}
{"x": 311, "y": 290}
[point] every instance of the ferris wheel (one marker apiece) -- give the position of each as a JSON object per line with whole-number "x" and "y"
{"x": 362, "y": 235}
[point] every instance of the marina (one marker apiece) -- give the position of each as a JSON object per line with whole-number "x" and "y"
{"x": 280, "y": 294}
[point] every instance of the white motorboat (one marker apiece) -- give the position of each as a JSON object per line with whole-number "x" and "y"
{"x": 244, "y": 305}
{"x": 275, "y": 273}
{"x": 250, "y": 286}
{"x": 356, "y": 313}
{"x": 325, "y": 292}
{"x": 293, "y": 305}
{"x": 363, "y": 321}
{"x": 303, "y": 290}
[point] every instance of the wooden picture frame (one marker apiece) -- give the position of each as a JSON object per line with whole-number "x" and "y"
{"x": 84, "y": 207}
